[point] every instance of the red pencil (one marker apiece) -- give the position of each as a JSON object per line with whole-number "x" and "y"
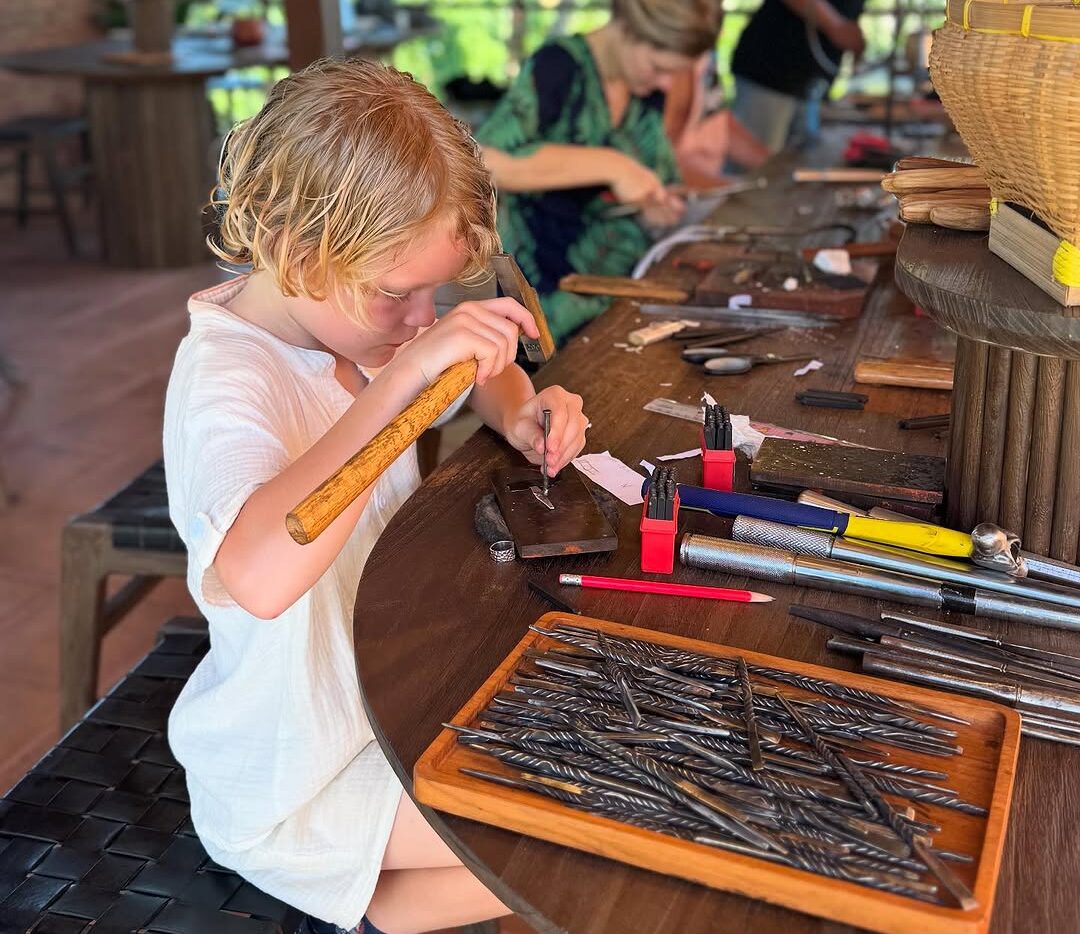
{"x": 671, "y": 590}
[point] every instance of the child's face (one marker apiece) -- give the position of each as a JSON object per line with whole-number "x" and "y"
{"x": 434, "y": 258}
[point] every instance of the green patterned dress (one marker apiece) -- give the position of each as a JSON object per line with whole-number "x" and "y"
{"x": 558, "y": 98}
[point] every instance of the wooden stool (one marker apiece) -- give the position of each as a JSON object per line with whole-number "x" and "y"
{"x": 40, "y": 136}
{"x": 131, "y": 534}
{"x": 99, "y": 831}
{"x": 1014, "y": 444}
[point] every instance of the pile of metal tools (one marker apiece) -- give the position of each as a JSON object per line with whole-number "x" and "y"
{"x": 661, "y": 503}
{"x": 1044, "y": 686}
{"x": 717, "y": 428}
{"x": 984, "y": 573}
{"x": 715, "y": 750}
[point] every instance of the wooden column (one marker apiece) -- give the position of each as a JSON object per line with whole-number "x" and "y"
{"x": 153, "y": 168}
{"x": 314, "y": 31}
{"x": 963, "y": 501}
{"x": 1045, "y": 443}
{"x": 1014, "y": 467}
{"x": 1065, "y": 538}
{"x": 991, "y": 456}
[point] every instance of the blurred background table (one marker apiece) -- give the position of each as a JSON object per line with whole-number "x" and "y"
{"x": 152, "y": 132}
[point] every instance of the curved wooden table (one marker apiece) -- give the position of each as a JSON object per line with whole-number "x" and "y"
{"x": 1014, "y": 447}
{"x": 435, "y": 616}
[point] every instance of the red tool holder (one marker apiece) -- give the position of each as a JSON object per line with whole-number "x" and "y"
{"x": 658, "y": 540}
{"x": 717, "y": 468}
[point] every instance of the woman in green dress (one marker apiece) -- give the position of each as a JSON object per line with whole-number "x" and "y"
{"x": 582, "y": 129}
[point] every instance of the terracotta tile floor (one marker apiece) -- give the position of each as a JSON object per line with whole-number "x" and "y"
{"x": 93, "y": 347}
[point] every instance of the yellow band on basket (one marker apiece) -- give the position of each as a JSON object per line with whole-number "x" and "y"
{"x": 1025, "y": 23}
{"x": 1067, "y": 264}
{"x": 993, "y": 206}
{"x": 967, "y": 14}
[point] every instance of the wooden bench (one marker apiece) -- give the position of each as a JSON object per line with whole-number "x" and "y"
{"x": 131, "y": 534}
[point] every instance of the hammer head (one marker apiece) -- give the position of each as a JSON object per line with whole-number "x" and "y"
{"x": 514, "y": 284}
{"x": 997, "y": 550}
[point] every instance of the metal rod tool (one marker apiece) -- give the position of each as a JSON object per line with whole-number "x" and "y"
{"x": 785, "y": 567}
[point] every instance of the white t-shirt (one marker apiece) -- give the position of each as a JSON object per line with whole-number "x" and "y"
{"x": 287, "y": 785}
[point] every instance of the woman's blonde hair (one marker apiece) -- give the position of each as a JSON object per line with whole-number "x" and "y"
{"x": 686, "y": 27}
{"x": 346, "y": 163}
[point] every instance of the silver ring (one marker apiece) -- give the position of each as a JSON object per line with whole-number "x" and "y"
{"x": 502, "y": 551}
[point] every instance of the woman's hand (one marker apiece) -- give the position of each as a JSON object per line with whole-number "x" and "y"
{"x": 525, "y": 429}
{"x": 486, "y": 331}
{"x": 633, "y": 183}
{"x": 665, "y": 211}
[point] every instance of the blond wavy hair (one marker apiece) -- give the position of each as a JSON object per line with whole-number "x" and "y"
{"x": 344, "y": 166}
{"x": 686, "y": 27}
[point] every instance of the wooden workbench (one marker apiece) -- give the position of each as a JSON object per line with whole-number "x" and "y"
{"x": 434, "y": 615}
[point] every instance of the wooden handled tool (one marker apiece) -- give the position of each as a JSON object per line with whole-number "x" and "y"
{"x": 644, "y": 290}
{"x": 904, "y": 373}
{"x": 309, "y": 519}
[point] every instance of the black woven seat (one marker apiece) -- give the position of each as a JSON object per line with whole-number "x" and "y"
{"x": 97, "y": 837}
{"x": 130, "y": 534}
{"x": 138, "y": 515}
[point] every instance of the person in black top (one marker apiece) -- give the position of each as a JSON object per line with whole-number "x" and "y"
{"x": 786, "y": 57}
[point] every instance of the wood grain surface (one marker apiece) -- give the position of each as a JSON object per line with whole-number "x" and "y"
{"x": 956, "y": 280}
{"x": 983, "y": 775}
{"x": 837, "y": 470}
{"x": 435, "y": 616}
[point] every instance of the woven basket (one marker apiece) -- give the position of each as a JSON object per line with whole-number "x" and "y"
{"x": 1009, "y": 77}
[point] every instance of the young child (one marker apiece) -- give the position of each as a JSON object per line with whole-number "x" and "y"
{"x": 353, "y": 194}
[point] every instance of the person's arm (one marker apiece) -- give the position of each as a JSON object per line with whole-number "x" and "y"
{"x": 258, "y": 562}
{"x": 844, "y": 33}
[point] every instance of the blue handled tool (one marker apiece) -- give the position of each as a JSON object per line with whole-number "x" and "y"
{"x": 917, "y": 536}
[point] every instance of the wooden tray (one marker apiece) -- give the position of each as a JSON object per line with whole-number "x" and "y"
{"x": 983, "y": 774}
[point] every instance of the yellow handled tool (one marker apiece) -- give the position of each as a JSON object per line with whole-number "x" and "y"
{"x": 309, "y": 518}
{"x": 915, "y": 536}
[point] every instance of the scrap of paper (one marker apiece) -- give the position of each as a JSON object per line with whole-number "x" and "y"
{"x": 682, "y": 455}
{"x": 744, "y": 436}
{"x": 809, "y": 368}
{"x": 649, "y": 468}
{"x": 613, "y": 475}
{"x": 837, "y": 262}
{"x": 742, "y": 301}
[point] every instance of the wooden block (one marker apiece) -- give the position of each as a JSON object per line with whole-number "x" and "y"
{"x": 844, "y": 175}
{"x": 983, "y": 774}
{"x": 644, "y": 290}
{"x": 832, "y": 468}
{"x": 913, "y": 373}
{"x": 575, "y": 526}
{"x": 1029, "y": 247}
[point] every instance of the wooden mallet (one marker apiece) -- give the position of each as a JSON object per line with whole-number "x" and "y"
{"x": 309, "y": 519}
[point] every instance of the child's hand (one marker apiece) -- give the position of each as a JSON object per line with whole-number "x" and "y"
{"x": 486, "y": 331}
{"x": 567, "y": 437}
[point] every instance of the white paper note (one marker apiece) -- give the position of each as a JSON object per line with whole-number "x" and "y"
{"x": 744, "y": 437}
{"x": 613, "y": 475}
{"x": 682, "y": 455}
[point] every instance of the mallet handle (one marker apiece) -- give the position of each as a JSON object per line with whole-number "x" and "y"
{"x": 309, "y": 519}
